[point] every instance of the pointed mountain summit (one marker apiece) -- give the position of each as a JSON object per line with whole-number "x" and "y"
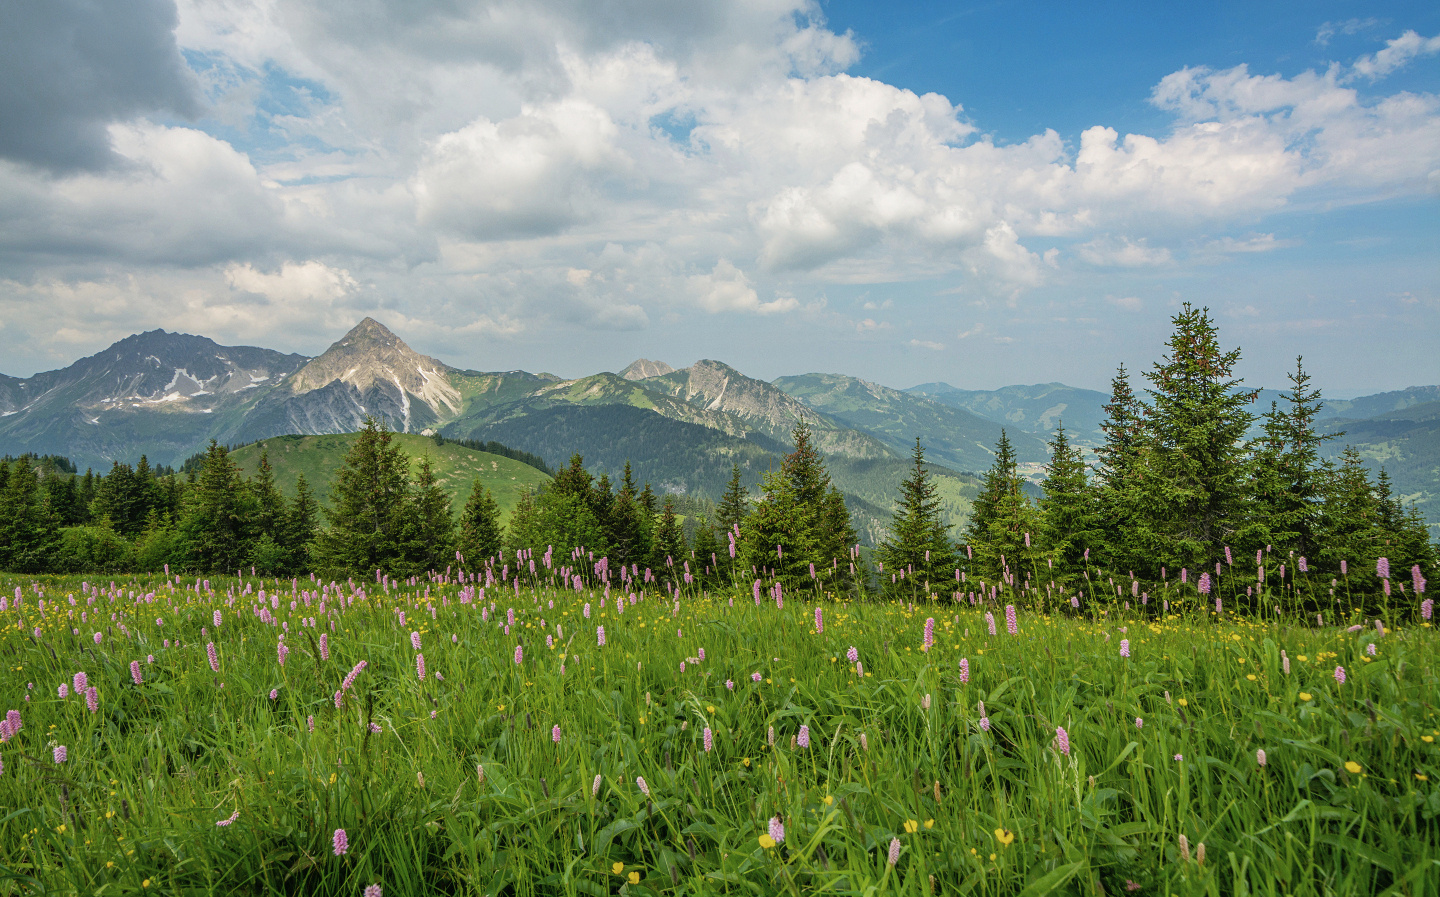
{"x": 641, "y": 368}
{"x": 368, "y": 372}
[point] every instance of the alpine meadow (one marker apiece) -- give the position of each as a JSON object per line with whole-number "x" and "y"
{"x": 1203, "y": 663}
{"x": 565, "y": 448}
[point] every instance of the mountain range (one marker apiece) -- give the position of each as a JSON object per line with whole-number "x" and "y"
{"x": 166, "y": 395}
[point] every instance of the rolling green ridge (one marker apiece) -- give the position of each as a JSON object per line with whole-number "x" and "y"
{"x": 456, "y": 467}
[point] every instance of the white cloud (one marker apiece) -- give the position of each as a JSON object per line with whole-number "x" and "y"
{"x": 926, "y": 344}
{"x": 1397, "y": 53}
{"x": 1129, "y": 303}
{"x": 1247, "y": 244}
{"x": 311, "y": 281}
{"x": 1123, "y": 252}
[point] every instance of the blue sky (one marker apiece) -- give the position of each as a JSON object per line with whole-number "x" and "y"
{"x": 903, "y": 192}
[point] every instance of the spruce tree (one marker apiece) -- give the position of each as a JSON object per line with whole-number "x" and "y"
{"x": 479, "y": 527}
{"x": 217, "y": 524}
{"x": 919, "y": 541}
{"x": 269, "y": 503}
{"x": 28, "y": 529}
{"x": 668, "y": 549}
{"x": 429, "y": 532}
{"x": 302, "y": 524}
{"x": 734, "y": 504}
{"x": 369, "y": 501}
{"x": 1003, "y": 522}
{"x": 1069, "y": 514}
{"x": 1195, "y": 492}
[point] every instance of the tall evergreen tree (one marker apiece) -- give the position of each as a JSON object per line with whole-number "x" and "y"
{"x": 217, "y": 523}
{"x": 269, "y": 503}
{"x": 1195, "y": 492}
{"x": 369, "y": 500}
{"x": 28, "y": 529}
{"x": 667, "y": 552}
{"x": 919, "y": 541}
{"x": 1069, "y": 513}
{"x": 734, "y": 504}
{"x": 479, "y": 527}
{"x": 429, "y": 532}
{"x": 302, "y": 524}
{"x": 1003, "y": 522}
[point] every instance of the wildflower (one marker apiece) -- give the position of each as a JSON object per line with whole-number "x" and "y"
{"x": 60, "y": 753}
{"x": 709, "y": 740}
{"x": 214, "y": 657}
{"x": 1179, "y": 758}
{"x": 819, "y": 618}
{"x": 280, "y": 652}
{"x": 480, "y": 773}
{"x": 1260, "y": 757}
{"x": 777, "y": 830}
{"x": 766, "y": 841}
{"x": 1010, "y": 624}
{"x": 595, "y": 786}
{"x": 371, "y": 891}
{"x": 555, "y": 734}
{"x": 1184, "y": 848}
{"x": 274, "y": 693}
{"x": 1004, "y": 836}
{"x": 644, "y": 788}
{"x": 1340, "y": 675}
{"x": 730, "y": 684}
{"x": 375, "y": 728}
{"x": 1382, "y": 568}
{"x": 1427, "y": 608}
{"x": 63, "y": 691}
{"x": 894, "y": 856}
{"x": 964, "y": 670}
{"x": 341, "y": 842}
{"x": 853, "y": 655}
{"x": 92, "y": 699}
{"x": 911, "y": 826}
{"x": 233, "y": 816}
{"x": 216, "y": 618}
{"x": 803, "y": 739}
{"x": 754, "y": 677}
{"x": 415, "y": 640}
{"x": 1352, "y": 767}
{"x": 1124, "y": 647}
{"x": 310, "y": 723}
{"x": 1062, "y": 740}
{"x": 864, "y": 742}
{"x": 985, "y": 723}
{"x": 925, "y": 702}
{"x": 1139, "y": 723}
{"x": 80, "y": 682}
{"x": 1305, "y": 696}
{"x": 1203, "y": 584}
{"x": 519, "y": 655}
{"x": 1370, "y": 649}
{"x": 420, "y": 667}
{"x": 929, "y": 641}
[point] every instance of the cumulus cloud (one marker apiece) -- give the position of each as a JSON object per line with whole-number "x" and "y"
{"x": 1397, "y": 53}
{"x": 1123, "y": 252}
{"x": 926, "y": 344}
{"x": 310, "y": 281}
{"x": 71, "y": 68}
{"x": 726, "y": 288}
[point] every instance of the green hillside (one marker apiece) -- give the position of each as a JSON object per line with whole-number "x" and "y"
{"x": 456, "y": 467}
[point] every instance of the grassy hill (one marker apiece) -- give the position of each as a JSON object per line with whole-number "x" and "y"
{"x": 456, "y": 467}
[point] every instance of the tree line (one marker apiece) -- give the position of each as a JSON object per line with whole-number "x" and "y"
{"x": 1180, "y": 486}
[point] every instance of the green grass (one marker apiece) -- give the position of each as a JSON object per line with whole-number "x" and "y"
{"x": 456, "y": 467}
{"x": 133, "y": 809}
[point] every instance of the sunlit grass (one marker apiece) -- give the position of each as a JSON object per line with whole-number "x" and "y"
{"x": 457, "y": 783}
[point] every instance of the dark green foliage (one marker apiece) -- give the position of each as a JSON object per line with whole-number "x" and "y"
{"x": 800, "y": 521}
{"x": 919, "y": 544}
{"x": 369, "y": 502}
{"x": 1000, "y": 538}
{"x": 667, "y": 552}
{"x": 479, "y": 527}
{"x": 217, "y": 523}
{"x": 91, "y": 549}
{"x": 1070, "y": 520}
{"x": 27, "y": 525}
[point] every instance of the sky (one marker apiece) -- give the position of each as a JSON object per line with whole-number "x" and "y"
{"x": 977, "y": 193}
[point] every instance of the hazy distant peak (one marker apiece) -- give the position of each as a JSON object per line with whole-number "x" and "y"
{"x": 641, "y": 368}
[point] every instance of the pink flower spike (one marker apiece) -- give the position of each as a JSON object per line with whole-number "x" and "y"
{"x": 340, "y": 842}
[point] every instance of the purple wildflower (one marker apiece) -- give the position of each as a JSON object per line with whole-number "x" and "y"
{"x": 1340, "y": 675}
{"x": 1203, "y": 584}
{"x": 929, "y": 634}
{"x": 894, "y": 856}
{"x": 709, "y": 740}
{"x": 519, "y": 655}
{"x": 555, "y": 734}
{"x": 341, "y": 842}
{"x": 135, "y": 672}
{"x": 644, "y": 788}
{"x": 60, "y": 753}
{"x": 230, "y": 821}
{"x": 964, "y": 670}
{"x": 777, "y": 829}
{"x": 1382, "y": 568}
{"x": 214, "y": 657}
{"x": 600, "y": 636}
{"x": 1062, "y": 740}
{"x": 1124, "y": 647}
{"x": 1010, "y": 625}
{"x": 420, "y": 667}
{"x": 803, "y": 739}
{"x": 415, "y": 640}
{"x": 92, "y": 699}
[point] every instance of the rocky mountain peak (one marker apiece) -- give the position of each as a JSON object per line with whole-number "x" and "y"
{"x": 641, "y": 368}
{"x": 383, "y": 372}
